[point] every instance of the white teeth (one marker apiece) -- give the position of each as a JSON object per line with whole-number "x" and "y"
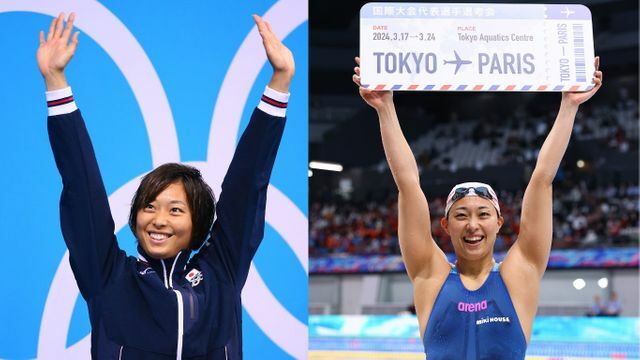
{"x": 158, "y": 236}
{"x": 475, "y": 238}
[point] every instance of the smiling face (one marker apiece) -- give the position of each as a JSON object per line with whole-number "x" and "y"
{"x": 473, "y": 224}
{"x": 164, "y": 226}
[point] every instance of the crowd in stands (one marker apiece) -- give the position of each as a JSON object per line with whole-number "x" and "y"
{"x": 493, "y": 141}
{"x": 582, "y": 218}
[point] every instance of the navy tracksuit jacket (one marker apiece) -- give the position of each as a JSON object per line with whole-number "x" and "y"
{"x": 143, "y": 308}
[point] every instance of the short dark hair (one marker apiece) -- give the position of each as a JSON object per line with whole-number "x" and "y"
{"x": 200, "y": 198}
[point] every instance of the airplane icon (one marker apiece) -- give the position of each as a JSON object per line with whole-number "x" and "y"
{"x": 458, "y": 61}
{"x": 567, "y": 12}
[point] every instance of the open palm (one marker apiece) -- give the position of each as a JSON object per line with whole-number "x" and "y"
{"x": 375, "y": 99}
{"x": 56, "y": 51}
{"x": 280, "y": 57}
{"x": 578, "y": 98}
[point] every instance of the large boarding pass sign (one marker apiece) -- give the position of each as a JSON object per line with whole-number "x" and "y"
{"x": 476, "y": 47}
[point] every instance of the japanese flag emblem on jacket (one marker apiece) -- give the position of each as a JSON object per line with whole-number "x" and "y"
{"x": 194, "y": 276}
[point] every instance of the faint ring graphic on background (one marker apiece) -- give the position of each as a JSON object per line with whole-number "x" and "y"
{"x": 282, "y": 214}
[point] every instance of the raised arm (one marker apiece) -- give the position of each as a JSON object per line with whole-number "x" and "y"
{"x": 85, "y": 216}
{"x": 420, "y": 253}
{"x": 534, "y": 239}
{"x": 239, "y": 227}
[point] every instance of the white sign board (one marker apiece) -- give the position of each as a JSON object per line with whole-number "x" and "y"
{"x": 476, "y": 47}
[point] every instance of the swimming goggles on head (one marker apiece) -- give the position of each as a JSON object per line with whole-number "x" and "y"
{"x": 481, "y": 191}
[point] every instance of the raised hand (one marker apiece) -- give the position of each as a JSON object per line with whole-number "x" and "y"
{"x": 279, "y": 56}
{"x": 56, "y": 51}
{"x": 376, "y": 99}
{"x": 577, "y": 98}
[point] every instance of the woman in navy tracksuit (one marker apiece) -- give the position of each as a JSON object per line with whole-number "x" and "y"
{"x": 160, "y": 305}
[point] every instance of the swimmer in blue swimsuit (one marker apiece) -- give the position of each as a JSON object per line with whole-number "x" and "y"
{"x": 475, "y": 309}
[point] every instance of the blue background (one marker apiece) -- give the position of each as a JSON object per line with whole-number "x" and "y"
{"x": 191, "y": 48}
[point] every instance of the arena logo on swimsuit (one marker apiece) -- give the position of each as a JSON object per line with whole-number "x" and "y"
{"x": 472, "y": 307}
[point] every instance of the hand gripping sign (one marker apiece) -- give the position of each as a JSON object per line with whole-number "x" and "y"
{"x": 476, "y": 47}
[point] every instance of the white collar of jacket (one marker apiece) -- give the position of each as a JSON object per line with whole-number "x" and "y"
{"x": 169, "y": 270}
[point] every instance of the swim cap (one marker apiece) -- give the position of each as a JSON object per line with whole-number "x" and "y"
{"x": 482, "y": 190}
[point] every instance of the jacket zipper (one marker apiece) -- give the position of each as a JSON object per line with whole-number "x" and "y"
{"x": 120, "y": 356}
{"x": 173, "y": 266}
{"x": 168, "y": 283}
{"x": 164, "y": 274}
{"x": 225, "y": 353}
{"x": 180, "y": 329}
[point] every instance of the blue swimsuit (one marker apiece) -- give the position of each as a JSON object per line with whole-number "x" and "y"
{"x": 480, "y": 324}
